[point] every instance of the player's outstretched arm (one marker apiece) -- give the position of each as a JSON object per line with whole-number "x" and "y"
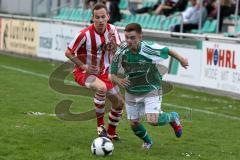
{"x": 73, "y": 58}
{"x": 89, "y": 69}
{"x": 182, "y": 60}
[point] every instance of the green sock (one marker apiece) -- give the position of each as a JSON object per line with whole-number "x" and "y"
{"x": 165, "y": 118}
{"x": 141, "y": 132}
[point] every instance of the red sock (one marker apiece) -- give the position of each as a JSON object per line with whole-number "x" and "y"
{"x": 99, "y": 101}
{"x": 113, "y": 118}
{"x": 99, "y": 114}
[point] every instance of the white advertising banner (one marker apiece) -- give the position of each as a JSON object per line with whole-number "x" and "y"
{"x": 19, "y": 36}
{"x": 221, "y": 66}
{"x": 178, "y": 74}
{"x": 54, "y": 38}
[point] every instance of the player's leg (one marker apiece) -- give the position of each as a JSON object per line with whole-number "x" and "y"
{"x": 140, "y": 131}
{"x": 93, "y": 82}
{"x": 117, "y": 103}
{"x": 176, "y": 124}
{"x": 134, "y": 112}
{"x": 156, "y": 117}
{"x": 99, "y": 101}
{"x": 164, "y": 118}
{"x": 152, "y": 102}
{"x": 115, "y": 113}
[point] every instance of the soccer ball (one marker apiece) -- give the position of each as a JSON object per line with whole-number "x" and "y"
{"x": 102, "y": 146}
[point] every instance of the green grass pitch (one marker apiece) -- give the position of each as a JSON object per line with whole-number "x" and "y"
{"x": 211, "y": 127}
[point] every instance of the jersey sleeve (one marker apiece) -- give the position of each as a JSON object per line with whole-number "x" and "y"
{"x": 154, "y": 51}
{"x": 117, "y": 59}
{"x": 114, "y": 65}
{"x": 77, "y": 42}
{"x": 118, "y": 38}
{"x": 165, "y": 52}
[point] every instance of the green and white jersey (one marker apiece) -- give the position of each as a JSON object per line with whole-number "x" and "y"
{"x": 140, "y": 68}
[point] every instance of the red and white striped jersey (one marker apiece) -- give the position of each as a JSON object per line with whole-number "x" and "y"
{"x": 93, "y": 48}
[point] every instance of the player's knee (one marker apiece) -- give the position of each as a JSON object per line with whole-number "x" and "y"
{"x": 152, "y": 119}
{"x": 153, "y": 123}
{"x": 119, "y": 108}
{"x": 117, "y": 101}
{"x": 120, "y": 103}
{"x": 102, "y": 88}
{"x": 134, "y": 123}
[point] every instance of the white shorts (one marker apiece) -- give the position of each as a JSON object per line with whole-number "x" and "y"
{"x": 139, "y": 105}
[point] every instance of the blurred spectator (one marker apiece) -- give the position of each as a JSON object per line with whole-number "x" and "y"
{"x": 191, "y": 17}
{"x": 90, "y": 3}
{"x": 114, "y": 10}
{"x": 227, "y": 8}
{"x": 170, "y": 6}
{"x": 166, "y": 7}
{"x": 146, "y": 9}
{"x": 211, "y": 7}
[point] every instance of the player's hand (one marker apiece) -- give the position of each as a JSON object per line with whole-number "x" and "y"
{"x": 111, "y": 35}
{"x": 90, "y": 69}
{"x": 124, "y": 82}
{"x": 184, "y": 63}
{"x": 112, "y": 46}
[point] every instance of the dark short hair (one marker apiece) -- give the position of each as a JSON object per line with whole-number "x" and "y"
{"x": 99, "y": 6}
{"x": 133, "y": 27}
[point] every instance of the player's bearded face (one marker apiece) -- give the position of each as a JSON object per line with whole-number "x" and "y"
{"x": 100, "y": 19}
{"x": 133, "y": 40}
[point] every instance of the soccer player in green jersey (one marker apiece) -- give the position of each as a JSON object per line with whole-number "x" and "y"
{"x": 138, "y": 61}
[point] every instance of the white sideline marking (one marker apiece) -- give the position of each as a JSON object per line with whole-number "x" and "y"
{"x": 39, "y": 114}
{"x": 167, "y": 104}
{"x": 32, "y": 73}
{"x": 25, "y": 71}
{"x": 203, "y": 111}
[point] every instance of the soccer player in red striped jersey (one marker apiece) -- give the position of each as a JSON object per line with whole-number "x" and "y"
{"x": 91, "y": 51}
